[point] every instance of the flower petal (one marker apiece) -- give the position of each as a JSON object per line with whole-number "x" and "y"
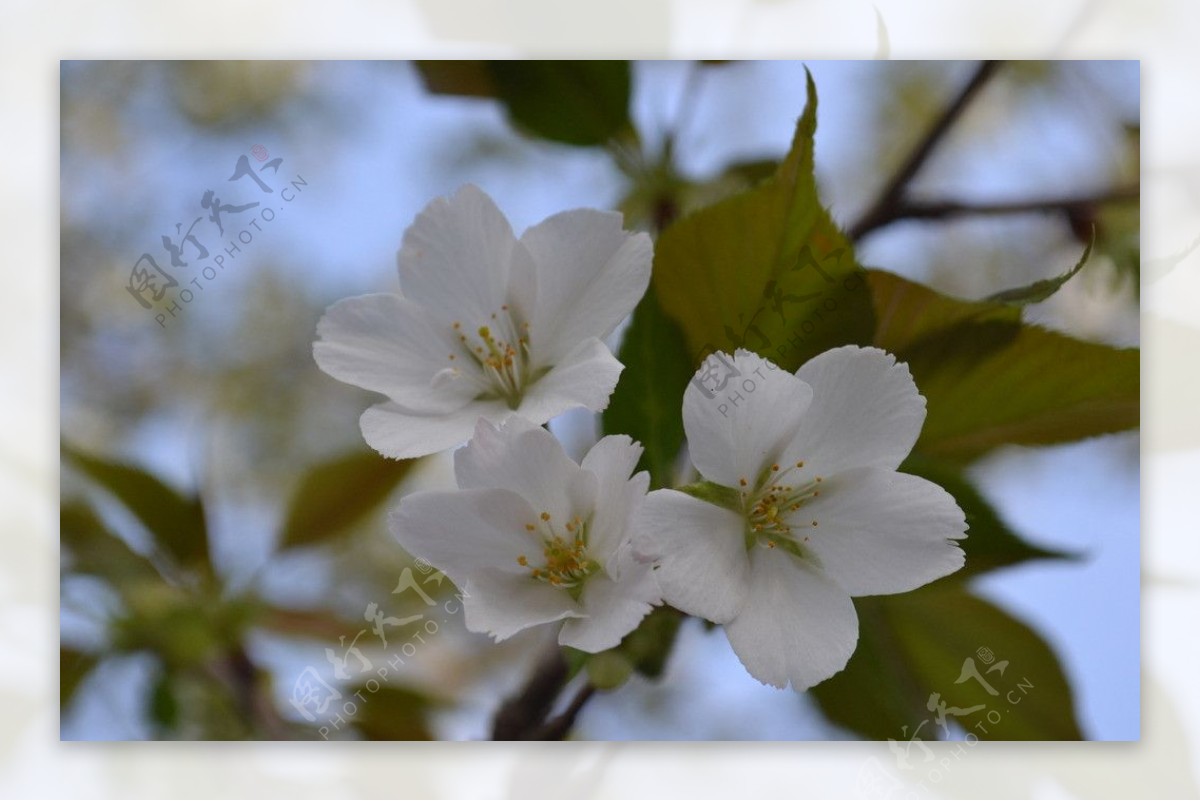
{"x": 590, "y": 275}
{"x": 612, "y": 460}
{"x": 400, "y": 434}
{"x": 702, "y": 566}
{"x": 385, "y": 343}
{"x": 612, "y": 610}
{"x": 501, "y": 604}
{"x": 528, "y": 460}
{"x": 455, "y": 258}
{"x": 796, "y": 625}
{"x": 882, "y": 532}
{"x": 584, "y": 377}
{"x": 465, "y": 531}
{"x": 738, "y": 428}
{"x": 866, "y": 411}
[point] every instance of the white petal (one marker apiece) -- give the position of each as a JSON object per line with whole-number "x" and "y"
{"x": 590, "y": 275}
{"x": 501, "y": 604}
{"x": 400, "y": 434}
{"x": 881, "y": 532}
{"x": 700, "y": 549}
{"x": 456, "y": 256}
{"x": 612, "y": 610}
{"x": 612, "y": 460}
{"x": 866, "y": 411}
{"x": 739, "y": 418}
{"x": 585, "y": 377}
{"x": 385, "y": 343}
{"x": 529, "y": 461}
{"x": 796, "y": 625}
{"x": 465, "y": 531}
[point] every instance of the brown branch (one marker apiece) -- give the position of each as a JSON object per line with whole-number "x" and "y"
{"x": 882, "y": 211}
{"x": 1067, "y": 204}
{"x": 523, "y": 715}
{"x": 559, "y": 727}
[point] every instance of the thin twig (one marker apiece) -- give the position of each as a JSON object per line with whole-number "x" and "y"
{"x": 522, "y": 716}
{"x": 558, "y": 728}
{"x": 882, "y": 211}
{"x": 945, "y": 209}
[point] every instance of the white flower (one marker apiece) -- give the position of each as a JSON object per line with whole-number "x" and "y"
{"x": 805, "y": 508}
{"x": 532, "y": 537}
{"x": 487, "y": 325}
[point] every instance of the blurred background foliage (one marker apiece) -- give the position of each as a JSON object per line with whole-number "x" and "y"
{"x": 225, "y": 562}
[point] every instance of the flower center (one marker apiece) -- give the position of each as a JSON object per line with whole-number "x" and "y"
{"x": 565, "y": 560}
{"x": 501, "y": 349}
{"x": 771, "y": 509}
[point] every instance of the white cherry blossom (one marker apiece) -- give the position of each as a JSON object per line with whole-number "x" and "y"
{"x": 486, "y": 325}
{"x": 533, "y": 538}
{"x": 802, "y": 509}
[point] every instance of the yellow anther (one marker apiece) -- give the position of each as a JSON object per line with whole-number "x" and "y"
{"x": 546, "y": 516}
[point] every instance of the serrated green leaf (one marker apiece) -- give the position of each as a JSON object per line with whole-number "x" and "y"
{"x": 335, "y": 495}
{"x": 175, "y": 520}
{"x": 766, "y": 269}
{"x": 990, "y": 544}
{"x": 647, "y": 404}
{"x": 73, "y": 667}
{"x": 918, "y": 644}
{"x": 991, "y": 380}
{"x": 1045, "y": 288}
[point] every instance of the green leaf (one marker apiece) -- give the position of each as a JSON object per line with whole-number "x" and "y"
{"x": 1042, "y": 290}
{"x": 463, "y": 78}
{"x": 990, "y": 543}
{"x": 574, "y": 102}
{"x": 175, "y": 520}
{"x": 766, "y": 269}
{"x": 73, "y": 667}
{"x": 991, "y": 380}
{"x": 391, "y": 713}
{"x": 335, "y": 495}
{"x": 914, "y": 645}
{"x": 164, "y": 706}
{"x": 647, "y": 404}
{"x": 96, "y": 551}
